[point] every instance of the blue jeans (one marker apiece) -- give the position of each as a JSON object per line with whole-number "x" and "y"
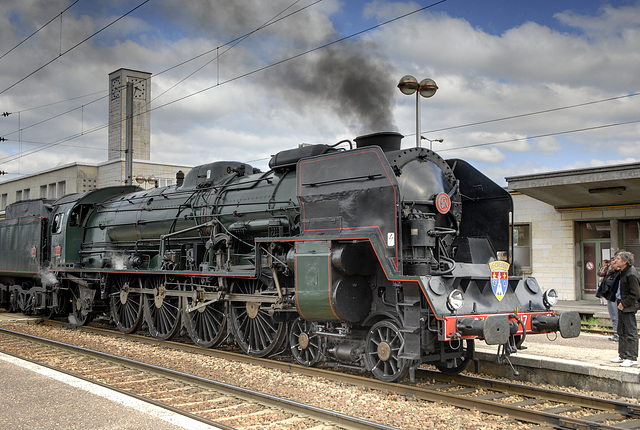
{"x": 612, "y": 307}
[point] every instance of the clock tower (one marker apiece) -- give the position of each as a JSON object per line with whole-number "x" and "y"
{"x": 141, "y": 118}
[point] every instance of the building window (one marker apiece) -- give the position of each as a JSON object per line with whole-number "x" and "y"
{"x": 522, "y": 247}
{"x": 3, "y": 203}
{"x": 596, "y": 230}
{"x": 631, "y": 238}
{"x": 18, "y": 195}
{"x": 164, "y": 182}
{"x": 62, "y": 188}
{"x": 26, "y": 194}
{"x": 43, "y": 191}
{"x": 52, "y": 191}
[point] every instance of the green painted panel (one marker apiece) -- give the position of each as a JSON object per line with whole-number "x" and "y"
{"x": 20, "y": 245}
{"x": 313, "y": 280}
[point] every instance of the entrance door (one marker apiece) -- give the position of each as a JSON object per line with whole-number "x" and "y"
{"x": 592, "y": 255}
{"x": 596, "y": 246}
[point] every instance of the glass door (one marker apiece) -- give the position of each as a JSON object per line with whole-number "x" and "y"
{"x": 592, "y": 255}
{"x": 596, "y": 246}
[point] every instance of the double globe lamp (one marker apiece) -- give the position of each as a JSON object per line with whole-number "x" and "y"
{"x": 425, "y": 88}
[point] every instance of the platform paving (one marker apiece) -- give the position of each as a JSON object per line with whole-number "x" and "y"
{"x": 36, "y": 397}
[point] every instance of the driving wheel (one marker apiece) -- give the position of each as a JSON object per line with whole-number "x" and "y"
{"x": 383, "y": 343}
{"x": 255, "y": 332}
{"x": 206, "y": 323}
{"x": 305, "y": 344}
{"x": 126, "y": 305}
{"x": 161, "y": 308}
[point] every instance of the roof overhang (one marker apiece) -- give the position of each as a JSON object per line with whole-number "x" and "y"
{"x": 607, "y": 186}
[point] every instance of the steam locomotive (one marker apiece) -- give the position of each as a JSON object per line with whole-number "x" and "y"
{"x": 370, "y": 257}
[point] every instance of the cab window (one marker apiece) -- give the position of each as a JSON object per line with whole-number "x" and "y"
{"x": 56, "y": 226}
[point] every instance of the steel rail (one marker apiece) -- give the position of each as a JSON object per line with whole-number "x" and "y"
{"x": 156, "y": 403}
{"x": 424, "y": 393}
{"x": 320, "y": 414}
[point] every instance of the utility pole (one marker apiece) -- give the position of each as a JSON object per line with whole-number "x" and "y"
{"x": 128, "y": 152}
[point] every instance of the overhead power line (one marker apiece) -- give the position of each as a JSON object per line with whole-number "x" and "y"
{"x": 533, "y": 113}
{"x": 302, "y": 54}
{"x": 46, "y": 146}
{"x": 231, "y": 44}
{"x": 538, "y": 136}
{"x": 34, "y": 33}
{"x": 74, "y": 47}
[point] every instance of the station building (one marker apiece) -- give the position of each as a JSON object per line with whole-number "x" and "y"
{"x": 81, "y": 177}
{"x": 567, "y": 222}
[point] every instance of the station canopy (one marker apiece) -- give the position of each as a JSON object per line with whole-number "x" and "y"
{"x": 607, "y": 186}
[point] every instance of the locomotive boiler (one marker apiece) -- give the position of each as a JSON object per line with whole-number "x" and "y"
{"x": 371, "y": 257}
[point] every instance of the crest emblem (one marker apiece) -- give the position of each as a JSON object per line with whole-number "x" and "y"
{"x": 499, "y": 278}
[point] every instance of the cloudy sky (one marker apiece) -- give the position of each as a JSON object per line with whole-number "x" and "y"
{"x": 524, "y": 87}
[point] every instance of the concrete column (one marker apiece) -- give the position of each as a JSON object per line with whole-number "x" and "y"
{"x": 616, "y": 242}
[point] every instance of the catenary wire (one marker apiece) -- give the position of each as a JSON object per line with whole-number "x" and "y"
{"x": 429, "y": 131}
{"x": 35, "y": 32}
{"x": 74, "y": 47}
{"x": 233, "y": 43}
{"x": 538, "y": 136}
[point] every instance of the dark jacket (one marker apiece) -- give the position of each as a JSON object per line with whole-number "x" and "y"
{"x": 630, "y": 289}
{"x": 609, "y": 285}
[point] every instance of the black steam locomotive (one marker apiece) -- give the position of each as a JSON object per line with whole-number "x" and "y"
{"x": 374, "y": 257}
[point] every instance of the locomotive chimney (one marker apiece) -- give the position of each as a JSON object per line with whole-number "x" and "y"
{"x": 387, "y": 140}
{"x": 179, "y": 178}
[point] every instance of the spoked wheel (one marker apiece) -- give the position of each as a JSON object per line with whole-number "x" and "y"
{"x": 383, "y": 344}
{"x": 24, "y": 301}
{"x": 256, "y": 333}
{"x": 161, "y": 310}
{"x": 305, "y": 344}
{"x": 80, "y": 314}
{"x": 126, "y": 306}
{"x": 206, "y": 324}
{"x": 458, "y": 364}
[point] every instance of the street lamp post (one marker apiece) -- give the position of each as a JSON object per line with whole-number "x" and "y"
{"x": 426, "y": 88}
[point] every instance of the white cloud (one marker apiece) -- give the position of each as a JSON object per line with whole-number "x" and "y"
{"x": 487, "y": 81}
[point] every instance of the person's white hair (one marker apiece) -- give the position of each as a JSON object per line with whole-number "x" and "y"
{"x": 627, "y": 257}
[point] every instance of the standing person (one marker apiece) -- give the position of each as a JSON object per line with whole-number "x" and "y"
{"x": 602, "y": 272}
{"x": 607, "y": 290}
{"x": 627, "y": 297}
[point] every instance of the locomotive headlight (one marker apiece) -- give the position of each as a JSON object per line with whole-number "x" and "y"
{"x": 550, "y": 298}
{"x": 455, "y": 300}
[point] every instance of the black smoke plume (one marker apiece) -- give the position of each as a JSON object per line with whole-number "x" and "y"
{"x": 349, "y": 78}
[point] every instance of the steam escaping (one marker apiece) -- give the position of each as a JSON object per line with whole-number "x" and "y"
{"x": 349, "y": 78}
{"x": 47, "y": 278}
{"x": 117, "y": 260}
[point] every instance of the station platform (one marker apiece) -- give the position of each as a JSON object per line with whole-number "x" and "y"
{"x": 583, "y": 362}
{"x": 36, "y": 397}
{"x": 586, "y": 308}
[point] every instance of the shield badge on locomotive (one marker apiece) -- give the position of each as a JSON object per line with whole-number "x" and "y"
{"x": 499, "y": 278}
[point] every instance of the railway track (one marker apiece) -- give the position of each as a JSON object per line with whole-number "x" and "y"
{"x": 532, "y": 404}
{"x": 525, "y": 403}
{"x": 220, "y": 405}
